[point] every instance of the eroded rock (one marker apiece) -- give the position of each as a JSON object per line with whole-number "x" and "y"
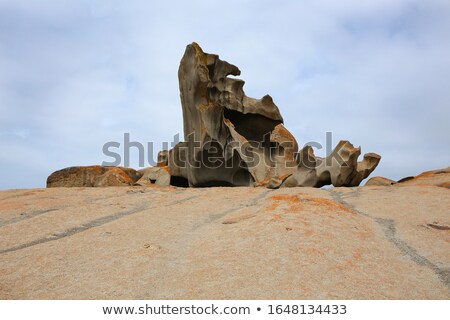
{"x": 232, "y": 139}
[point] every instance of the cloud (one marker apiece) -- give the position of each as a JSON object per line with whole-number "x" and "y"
{"x": 77, "y": 74}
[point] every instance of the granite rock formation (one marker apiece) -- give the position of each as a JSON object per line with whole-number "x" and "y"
{"x": 232, "y": 139}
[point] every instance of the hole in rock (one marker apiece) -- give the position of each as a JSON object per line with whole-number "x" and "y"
{"x": 215, "y": 184}
{"x": 179, "y": 182}
{"x": 252, "y": 126}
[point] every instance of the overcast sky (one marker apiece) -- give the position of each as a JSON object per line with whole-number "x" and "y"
{"x": 77, "y": 74}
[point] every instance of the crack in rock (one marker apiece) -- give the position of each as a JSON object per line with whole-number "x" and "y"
{"x": 390, "y": 231}
{"x": 26, "y": 216}
{"x": 88, "y": 225}
{"x": 216, "y": 216}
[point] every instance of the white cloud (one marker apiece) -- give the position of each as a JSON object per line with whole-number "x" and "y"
{"x": 76, "y": 74}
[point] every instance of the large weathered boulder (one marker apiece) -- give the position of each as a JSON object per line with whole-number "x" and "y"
{"x": 232, "y": 139}
{"x": 93, "y": 176}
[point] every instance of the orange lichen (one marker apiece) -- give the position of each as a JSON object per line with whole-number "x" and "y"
{"x": 266, "y": 181}
{"x": 200, "y": 54}
{"x": 277, "y": 217}
{"x": 285, "y": 197}
{"x": 166, "y": 168}
{"x": 291, "y": 201}
{"x": 273, "y": 206}
{"x": 281, "y": 135}
{"x": 295, "y": 203}
{"x": 263, "y": 182}
{"x": 330, "y": 204}
{"x": 228, "y": 122}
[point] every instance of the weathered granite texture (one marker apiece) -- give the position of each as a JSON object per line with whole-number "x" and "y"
{"x": 375, "y": 242}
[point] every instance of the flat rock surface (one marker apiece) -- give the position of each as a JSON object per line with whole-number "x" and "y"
{"x": 225, "y": 243}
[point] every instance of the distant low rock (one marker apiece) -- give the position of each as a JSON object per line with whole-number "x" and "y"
{"x": 405, "y": 179}
{"x": 439, "y": 178}
{"x": 380, "y": 181}
{"x": 93, "y": 176}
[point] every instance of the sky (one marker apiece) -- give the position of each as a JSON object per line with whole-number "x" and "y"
{"x": 75, "y": 75}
